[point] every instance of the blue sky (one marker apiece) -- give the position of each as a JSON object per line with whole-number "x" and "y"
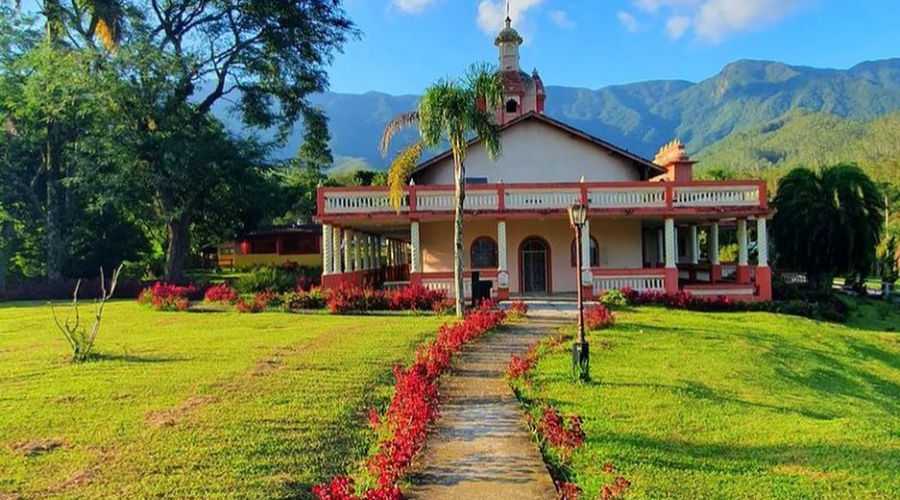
{"x": 407, "y": 44}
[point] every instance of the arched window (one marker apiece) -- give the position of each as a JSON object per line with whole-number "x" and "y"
{"x": 484, "y": 253}
{"x": 512, "y": 106}
{"x": 595, "y": 253}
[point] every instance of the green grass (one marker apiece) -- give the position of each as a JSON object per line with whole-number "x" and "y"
{"x": 190, "y": 404}
{"x": 737, "y": 405}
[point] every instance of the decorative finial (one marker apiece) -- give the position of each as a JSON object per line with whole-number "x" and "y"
{"x": 508, "y": 18}
{"x": 670, "y": 153}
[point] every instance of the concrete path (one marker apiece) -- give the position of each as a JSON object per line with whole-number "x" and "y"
{"x": 481, "y": 446}
{"x": 551, "y": 308}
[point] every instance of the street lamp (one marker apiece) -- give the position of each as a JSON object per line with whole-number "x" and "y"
{"x": 580, "y": 351}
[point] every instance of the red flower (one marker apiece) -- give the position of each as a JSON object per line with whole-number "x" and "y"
{"x": 599, "y": 317}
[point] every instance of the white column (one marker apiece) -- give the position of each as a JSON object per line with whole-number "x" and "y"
{"x": 415, "y": 248}
{"x": 762, "y": 242}
{"x": 502, "y": 263}
{"x": 695, "y": 245}
{"x": 327, "y": 242}
{"x": 742, "y": 242}
{"x": 349, "y": 261}
{"x": 671, "y": 255}
{"x": 391, "y": 247}
{"x": 357, "y": 251}
{"x": 586, "y": 245}
{"x": 337, "y": 238}
{"x": 714, "y": 244}
{"x": 661, "y": 246}
{"x": 366, "y": 251}
{"x": 379, "y": 244}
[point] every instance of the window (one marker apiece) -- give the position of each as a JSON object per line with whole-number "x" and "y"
{"x": 484, "y": 253}
{"x": 595, "y": 253}
{"x": 512, "y": 106}
{"x": 476, "y": 180}
{"x": 263, "y": 246}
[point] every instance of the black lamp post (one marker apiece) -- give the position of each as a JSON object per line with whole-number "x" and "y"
{"x": 581, "y": 355}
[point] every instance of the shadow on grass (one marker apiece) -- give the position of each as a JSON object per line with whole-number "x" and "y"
{"x": 132, "y": 358}
{"x": 734, "y": 458}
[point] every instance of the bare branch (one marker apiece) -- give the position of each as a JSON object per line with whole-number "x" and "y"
{"x": 393, "y": 127}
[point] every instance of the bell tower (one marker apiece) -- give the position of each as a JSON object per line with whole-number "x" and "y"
{"x": 522, "y": 93}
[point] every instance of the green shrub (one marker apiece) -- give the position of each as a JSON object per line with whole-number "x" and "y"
{"x": 298, "y": 301}
{"x": 267, "y": 278}
{"x": 614, "y": 298}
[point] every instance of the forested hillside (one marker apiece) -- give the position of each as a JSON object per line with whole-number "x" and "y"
{"x": 643, "y": 116}
{"x": 808, "y": 139}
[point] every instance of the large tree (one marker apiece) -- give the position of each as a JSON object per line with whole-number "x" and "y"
{"x": 265, "y": 57}
{"x": 827, "y": 222}
{"x": 451, "y": 111}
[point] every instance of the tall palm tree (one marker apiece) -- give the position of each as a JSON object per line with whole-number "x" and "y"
{"x": 827, "y": 222}
{"x": 451, "y": 111}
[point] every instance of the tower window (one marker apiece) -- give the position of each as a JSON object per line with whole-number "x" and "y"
{"x": 512, "y": 106}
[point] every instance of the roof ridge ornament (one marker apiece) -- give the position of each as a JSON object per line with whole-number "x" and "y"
{"x": 671, "y": 153}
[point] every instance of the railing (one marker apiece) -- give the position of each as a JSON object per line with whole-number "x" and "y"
{"x": 627, "y": 197}
{"x": 642, "y": 282}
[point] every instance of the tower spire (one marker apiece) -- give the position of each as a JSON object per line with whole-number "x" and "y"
{"x": 508, "y": 19}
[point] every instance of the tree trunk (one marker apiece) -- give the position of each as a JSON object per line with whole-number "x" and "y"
{"x": 177, "y": 230}
{"x": 458, "y": 249}
{"x": 5, "y": 237}
{"x": 55, "y": 239}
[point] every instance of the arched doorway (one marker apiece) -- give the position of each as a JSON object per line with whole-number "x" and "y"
{"x": 534, "y": 266}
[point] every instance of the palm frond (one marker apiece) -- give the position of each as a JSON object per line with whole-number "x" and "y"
{"x": 399, "y": 172}
{"x": 393, "y": 127}
{"x": 483, "y": 80}
{"x": 108, "y": 17}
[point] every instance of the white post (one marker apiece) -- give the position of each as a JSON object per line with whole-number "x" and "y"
{"x": 714, "y": 244}
{"x": 502, "y": 263}
{"x": 695, "y": 245}
{"x": 327, "y": 242}
{"x": 671, "y": 255}
{"x": 742, "y": 242}
{"x": 661, "y": 246}
{"x": 366, "y": 250}
{"x": 586, "y": 246}
{"x": 357, "y": 251}
{"x": 337, "y": 238}
{"x": 349, "y": 260}
{"x": 762, "y": 242}
{"x": 415, "y": 250}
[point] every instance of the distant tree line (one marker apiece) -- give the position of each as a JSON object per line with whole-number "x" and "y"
{"x": 109, "y": 150}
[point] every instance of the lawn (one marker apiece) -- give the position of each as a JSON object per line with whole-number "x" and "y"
{"x": 737, "y": 405}
{"x": 191, "y": 404}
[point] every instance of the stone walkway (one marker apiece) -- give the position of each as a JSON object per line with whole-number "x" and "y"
{"x": 481, "y": 446}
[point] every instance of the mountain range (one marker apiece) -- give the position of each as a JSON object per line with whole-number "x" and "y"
{"x": 746, "y": 95}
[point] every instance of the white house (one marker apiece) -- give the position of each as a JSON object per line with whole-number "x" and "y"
{"x": 646, "y": 218}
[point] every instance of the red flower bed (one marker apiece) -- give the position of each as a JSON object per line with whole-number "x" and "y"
{"x": 222, "y": 294}
{"x": 166, "y": 297}
{"x": 259, "y": 303}
{"x": 599, "y": 317}
{"x": 684, "y": 300}
{"x": 413, "y": 407}
{"x": 562, "y": 435}
{"x": 517, "y": 309}
{"x": 349, "y": 298}
{"x": 519, "y": 366}
{"x": 567, "y": 490}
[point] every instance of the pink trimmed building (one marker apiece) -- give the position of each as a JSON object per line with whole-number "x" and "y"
{"x": 647, "y": 219}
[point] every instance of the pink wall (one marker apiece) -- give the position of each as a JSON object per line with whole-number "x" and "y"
{"x": 619, "y": 243}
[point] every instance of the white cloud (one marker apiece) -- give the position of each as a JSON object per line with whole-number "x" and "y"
{"x": 628, "y": 20}
{"x": 561, "y": 18}
{"x": 718, "y": 18}
{"x": 412, "y": 6}
{"x": 714, "y": 20}
{"x": 492, "y": 13}
{"x": 677, "y": 25}
{"x": 653, "y": 6}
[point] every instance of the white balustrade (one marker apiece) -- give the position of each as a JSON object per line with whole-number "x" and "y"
{"x": 715, "y": 196}
{"x": 540, "y": 199}
{"x": 639, "y": 283}
{"x": 446, "y": 285}
{"x": 360, "y": 202}
{"x": 445, "y": 201}
{"x": 654, "y": 197}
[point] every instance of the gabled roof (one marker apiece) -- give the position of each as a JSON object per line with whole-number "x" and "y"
{"x": 639, "y": 161}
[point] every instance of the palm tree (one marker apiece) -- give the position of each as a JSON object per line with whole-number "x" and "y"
{"x": 452, "y": 111}
{"x": 827, "y": 222}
